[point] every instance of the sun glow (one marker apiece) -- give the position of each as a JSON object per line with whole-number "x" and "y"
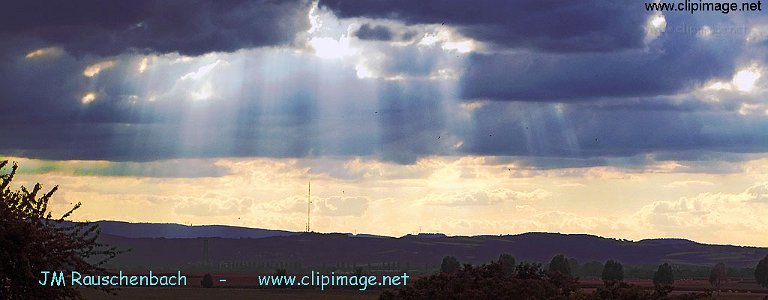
{"x": 327, "y": 47}
{"x": 745, "y": 80}
{"x": 51, "y": 51}
{"x": 88, "y": 98}
{"x": 95, "y": 69}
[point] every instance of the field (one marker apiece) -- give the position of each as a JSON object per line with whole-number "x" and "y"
{"x": 227, "y": 293}
{"x": 240, "y": 286}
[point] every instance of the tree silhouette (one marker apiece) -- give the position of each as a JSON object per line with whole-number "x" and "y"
{"x": 717, "y": 275}
{"x": 761, "y": 272}
{"x": 663, "y": 279}
{"x": 613, "y": 271}
{"x": 507, "y": 262}
{"x": 560, "y": 264}
{"x": 449, "y": 265}
{"x": 573, "y": 265}
{"x": 32, "y": 241}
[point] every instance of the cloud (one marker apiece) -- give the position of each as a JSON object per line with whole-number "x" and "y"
{"x": 183, "y": 168}
{"x": 482, "y": 198}
{"x": 212, "y": 205}
{"x": 187, "y": 27}
{"x": 342, "y": 206}
{"x": 592, "y": 25}
{"x": 683, "y": 64}
{"x": 374, "y": 32}
{"x": 334, "y": 206}
{"x": 758, "y": 193}
{"x": 711, "y": 215}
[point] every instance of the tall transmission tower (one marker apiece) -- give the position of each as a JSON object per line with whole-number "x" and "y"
{"x": 309, "y": 202}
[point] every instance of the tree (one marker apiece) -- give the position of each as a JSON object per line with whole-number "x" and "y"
{"x": 663, "y": 279}
{"x": 507, "y": 262}
{"x": 761, "y": 272}
{"x": 449, "y": 265}
{"x": 573, "y": 265}
{"x": 32, "y": 241}
{"x": 560, "y": 264}
{"x": 207, "y": 281}
{"x": 613, "y": 271}
{"x": 717, "y": 275}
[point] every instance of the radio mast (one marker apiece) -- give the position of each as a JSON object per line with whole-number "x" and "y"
{"x": 309, "y": 202}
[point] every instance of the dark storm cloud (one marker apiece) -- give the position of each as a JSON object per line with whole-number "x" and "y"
{"x": 411, "y": 119}
{"x": 673, "y": 63}
{"x": 578, "y": 131}
{"x": 374, "y": 32}
{"x": 553, "y": 26}
{"x": 194, "y": 168}
{"x": 188, "y": 27}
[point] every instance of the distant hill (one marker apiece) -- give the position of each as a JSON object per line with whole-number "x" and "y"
{"x": 177, "y": 231}
{"x": 177, "y": 246}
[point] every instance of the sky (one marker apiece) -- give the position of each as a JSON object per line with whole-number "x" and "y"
{"x": 499, "y": 117}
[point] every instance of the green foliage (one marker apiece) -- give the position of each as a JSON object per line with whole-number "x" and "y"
{"x": 718, "y": 275}
{"x": 31, "y": 241}
{"x": 613, "y": 271}
{"x": 507, "y": 262}
{"x": 560, "y": 264}
{"x": 450, "y": 264}
{"x": 761, "y": 272}
{"x": 664, "y": 276}
{"x": 207, "y": 281}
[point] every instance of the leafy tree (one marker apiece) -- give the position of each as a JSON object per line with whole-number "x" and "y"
{"x": 761, "y": 272}
{"x": 449, "y": 265}
{"x": 663, "y": 279}
{"x": 507, "y": 262}
{"x": 613, "y": 271}
{"x": 207, "y": 281}
{"x": 718, "y": 275}
{"x": 573, "y": 264}
{"x": 560, "y": 264}
{"x": 32, "y": 241}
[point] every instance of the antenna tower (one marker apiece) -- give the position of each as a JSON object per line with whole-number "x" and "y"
{"x": 309, "y": 202}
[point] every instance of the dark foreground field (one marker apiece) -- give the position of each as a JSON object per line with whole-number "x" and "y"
{"x": 227, "y": 293}
{"x": 244, "y": 293}
{"x": 731, "y": 290}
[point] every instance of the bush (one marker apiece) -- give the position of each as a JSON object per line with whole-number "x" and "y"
{"x": 613, "y": 271}
{"x": 560, "y": 264}
{"x": 507, "y": 262}
{"x": 449, "y": 265}
{"x": 31, "y": 241}
{"x": 663, "y": 276}
{"x": 761, "y": 272}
